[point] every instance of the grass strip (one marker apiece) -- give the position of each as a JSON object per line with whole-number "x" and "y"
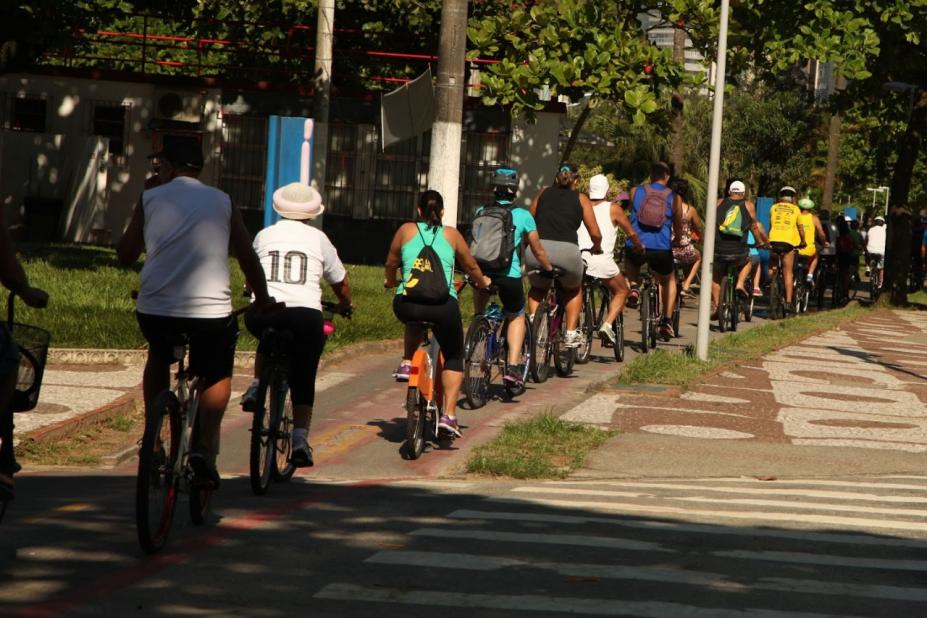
{"x": 662, "y": 367}
{"x": 540, "y": 447}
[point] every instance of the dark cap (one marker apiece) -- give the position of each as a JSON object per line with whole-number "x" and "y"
{"x": 505, "y": 177}
{"x": 181, "y": 153}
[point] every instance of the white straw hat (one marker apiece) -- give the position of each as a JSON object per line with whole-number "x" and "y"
{"x": 298, "y": 201}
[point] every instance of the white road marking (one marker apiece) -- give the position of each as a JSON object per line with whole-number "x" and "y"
{"x": 830, "y": 483}
{"x": 892, "y": 446}
{"x": 598, "y": 409}
{"x": 645, "y": 406}
{"x": 694, "y": 396}
{"x": 691, "y": 431}
{"x": 543, "y": 539}
{"x": 825, "y": 560}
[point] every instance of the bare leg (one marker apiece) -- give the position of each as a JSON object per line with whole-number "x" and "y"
{"x": 757, "y": 272}
{"x": 695, "y": 266}
{"x": 742, "y": 277}
{"x": 515, "y": 333}
{"x": 213, "y": 400}
{"x": 535, "y": 296}
{"x": 574, "y": 303}
{"x": 813, "y": 265}
{"x": 451, "y": 382}
{"x": 788, "y": 263}
{"x": 618, "y": 286}
{"x": 668, "y": 290}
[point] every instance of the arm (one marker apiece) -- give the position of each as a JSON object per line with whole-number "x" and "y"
{"x": 533, "y": 209}
{"x": 394, "y": 259}
{"x": 534, "y": 241}
{"x": 621, "y": 220}
{"x": 342, "y": 290}
{"x": 759, "y": 234}
{"x": 677, "y": 216}
{"x": 695, "y": 222}
{"x": 465, "y": 258}
{"x": 248, "y": 259}
{"x": 819, "y": 232}
{"x": 801, "y": 234}
{"x": 132, "y": 243}
{"x": 592, "y": 226}
{"x": 12, "y": 275}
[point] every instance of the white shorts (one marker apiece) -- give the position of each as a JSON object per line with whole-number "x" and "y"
{"x": 601, "y": 266}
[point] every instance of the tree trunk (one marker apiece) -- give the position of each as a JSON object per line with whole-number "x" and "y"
{"x": 677, "y": 139}
{"x": 900, "y": 220}
{"x": 833, "y": 149}
{"x": 577, "y": 127}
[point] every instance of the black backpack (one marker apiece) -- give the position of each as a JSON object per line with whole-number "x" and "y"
{"x": 426, "y": 282}
{"x": 492, "y": 238}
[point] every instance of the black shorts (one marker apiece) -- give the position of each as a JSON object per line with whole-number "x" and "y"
{"x": 212, "y": 342}
{"x": 845, "y": 260}
{"x": 511, "y": 293}
{"x": 305, "y": 324}
{"x": 448, "y": 329}
{"x": 659, "y": 260}
{"x": 782, "y": 248}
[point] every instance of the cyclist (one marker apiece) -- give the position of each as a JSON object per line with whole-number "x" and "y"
{"x": 736, "y": 223}
{"x": 662, "y": 213}
{"x": 13, "y": 278}
{"x": 511, "y": 292}
{"x": 813, "y": 233}
{"x": 608, "y": 215}
{"x": 785, "y": 235}
{"x": 849, "y": 248}
{"x": 875, "y": 246}
{"x": 410, "y": 239}
{"x": 684, "y": 250}
{"x": 296, "y": 257}
{"x": 185, "y": 228}
{"x": 558, "y": 211}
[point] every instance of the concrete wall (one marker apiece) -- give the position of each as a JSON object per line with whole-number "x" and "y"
{"x": 30, "y": 165}
{"x": 535, "y": 152}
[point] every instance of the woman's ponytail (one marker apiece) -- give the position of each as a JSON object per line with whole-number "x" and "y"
{"x": 566, "y": 176}
{"x": 431, "y": 207}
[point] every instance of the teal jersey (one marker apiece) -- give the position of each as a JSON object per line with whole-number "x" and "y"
{"x": 524, "y": 225}
{"x": 445, "y": 251}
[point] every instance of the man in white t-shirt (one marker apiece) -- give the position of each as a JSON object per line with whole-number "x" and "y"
{"x": 185, "y": 228}
{"x": 603, "y": 266}
{"x": 296, "y": 257}
{"x": 875, "y": 240}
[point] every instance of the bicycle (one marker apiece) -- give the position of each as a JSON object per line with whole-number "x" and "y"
{"x": 777, "y": 285}
{"x": 486, "y": 347}
{"x": 875, "y": 277}
{"x": 33, "y": 343}
{"x": 164, "y": 469}
{"x": 548, "y": 330}
{"x": 679, "y": 273}
{"x": 802, "y": 289}
{"x": 827, "y": 277}
{"x": 424, "y": 395}
{"x": 650, "y": 310}
{"x": 592, "y": 287}
{"x": 728, "y": 301}
{"x": 271, "y": 447}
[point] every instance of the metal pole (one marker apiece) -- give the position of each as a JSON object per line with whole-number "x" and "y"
{"x": 887, "y": 191}
{"x": 324, "y": 42}
{"x": 711, "y": 209}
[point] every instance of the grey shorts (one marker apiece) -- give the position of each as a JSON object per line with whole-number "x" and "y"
{"x": 564, "y": 256}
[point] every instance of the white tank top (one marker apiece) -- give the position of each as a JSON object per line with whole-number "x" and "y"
{"x": 186, "y": 272}
{"x": 603, "y": 216}
{"x": 296, "y": 257}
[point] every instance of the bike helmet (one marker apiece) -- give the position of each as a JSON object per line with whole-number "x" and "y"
{"x": 787, "y": 191}
{"x": 879, "y": 219}
{"x": 806, "y": 203}
{"x": 505, "y": 184}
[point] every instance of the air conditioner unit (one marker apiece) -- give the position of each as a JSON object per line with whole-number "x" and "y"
{"x": 179, "y": 106}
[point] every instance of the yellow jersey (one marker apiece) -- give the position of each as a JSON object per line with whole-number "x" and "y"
{"x": 806, "y": 220}
{"x": 782, "y": 219}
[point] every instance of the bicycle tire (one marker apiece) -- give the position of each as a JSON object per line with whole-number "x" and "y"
{"x": 735, "y": 311}
{"x": 724, "y": 306}
{"x": 618, "y": 347}
{"x": 748, "y": 309}
{"x": 586, "y": 327}
{"x": 646, "y": 325}
{"x": 282, "y": 420}
{"x": 564, "y": 357}
{"x": 415, "y": 424}
{"x": 524, "y": 367}
{"x": 540, "y": 368}
{"x": 677, "y": 308}
{"x": 261, "y": 451}
{"x": 655, "y": 315}
{"x": 477, "y": 367}
{"x": 853, "y": 291}
{"x": 776, "y": 309}
{"x": 156, "y": 488}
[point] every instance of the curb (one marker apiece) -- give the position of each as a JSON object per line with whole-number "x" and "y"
{"x": 61, "y": 428}
{"x": 91, "y": 356}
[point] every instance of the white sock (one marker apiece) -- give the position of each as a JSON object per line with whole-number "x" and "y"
{"x": 300, "y": 433}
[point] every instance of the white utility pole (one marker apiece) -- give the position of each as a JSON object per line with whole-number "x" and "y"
{"x": 447, "y": 131}
{"x": 324, "y": 41}
{"x": 711, "y": 208}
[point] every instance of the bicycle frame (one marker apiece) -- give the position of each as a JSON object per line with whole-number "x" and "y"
{"x": 425, "y": 375}
{"x": 184, "y": 388}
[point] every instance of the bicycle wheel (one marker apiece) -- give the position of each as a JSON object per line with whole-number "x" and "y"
{"x": 655, "y": 315}
{"x": 415, "y": 424}
{"x": 261, "y": 458}
{"x": 854, "y": 286}
{"x": 618, "y": 347}
{"x": 478, "y": 365}
{"x": 156, "y": 486}
{"x": 282, "y": 431}
{"x": 586, "y": 327}
{"x": 540, "y": 368}
{"x": 677, "y": 308}
{"x": 724, "y": 308}
{"x": 564, "y": 357}
{"x": 776, "y": 308}
{"x": 524, "y": 368}
{"x": 735, "y": 311}
{"x": 803, "y": 297}
{"x": 646, "y": 324}
{"x": 748, "y": 309}
{"x": 821, "y": 288}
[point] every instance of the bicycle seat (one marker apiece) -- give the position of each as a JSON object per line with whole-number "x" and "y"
{"x": 548, "y": 274}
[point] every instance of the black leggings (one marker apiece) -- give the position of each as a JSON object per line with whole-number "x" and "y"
{"x": 448, "y": 329}
{"x": 308, "y": 341}
{"x": 7, "y": 386}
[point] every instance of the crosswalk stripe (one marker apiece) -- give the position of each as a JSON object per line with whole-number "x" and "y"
{"x": 805, "y": 506}
{"x": 826, "y": 483}
{"x": 542, "y": 603}
{"x": 548, "y": 539}
{"x": 745, "y": 530}
{"x": 825, "y": 560}
{"x": 704, "y": 579}
{"x": 791, "y": 518}
{"x": 807, "y": 493}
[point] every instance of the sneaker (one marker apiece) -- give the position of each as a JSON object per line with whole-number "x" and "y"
{"x": 757, "y": 292}
{"x": 249, "y": 401}
{"x": 513, "y": 376}
{"x": 790, "y": 307}
{"x": 742, "y": 293}
{"x": 666, "y": 330}
{"x": 301, "y": 456}
{"x": 688, "y": 293}
{"x": 572, "y": 339}
{"x": 205, "y": 474}
{"x": 634, "y": 298}
{"x": 402, "y": 372}
{"x": 449, "y": 425}
{"x": 809, "y": 278}
{"x": 607, "y": 332}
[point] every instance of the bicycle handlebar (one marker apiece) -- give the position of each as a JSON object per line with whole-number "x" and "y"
{"x": 335, "y": 308}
